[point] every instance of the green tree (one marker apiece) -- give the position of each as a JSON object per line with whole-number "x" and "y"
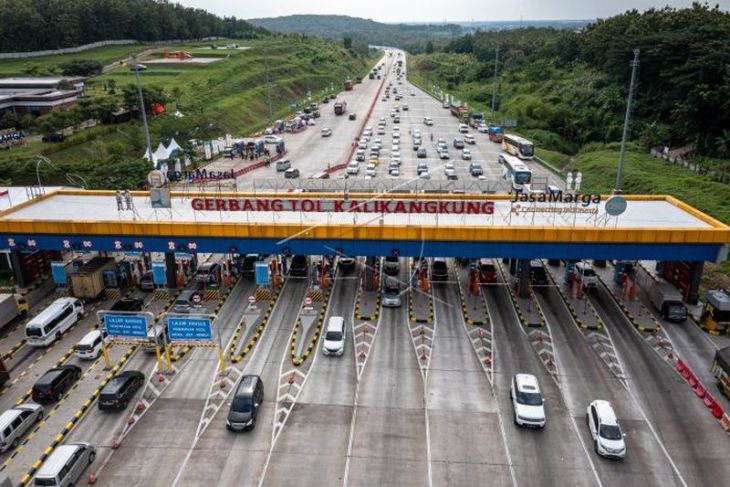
{"x": 81, "y": 67}
{"x": 722, "y": 143}
{"x": 347, "y": 42}
{"x": 429, "y": 47}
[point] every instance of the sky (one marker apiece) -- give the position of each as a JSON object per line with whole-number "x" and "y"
{"x": 437, "y": 10}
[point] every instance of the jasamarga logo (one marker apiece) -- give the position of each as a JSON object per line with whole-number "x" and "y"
{"x": 199, "y": 174}
{"x": 520, "y": 196}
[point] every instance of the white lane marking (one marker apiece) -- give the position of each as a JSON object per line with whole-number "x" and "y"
{"x": 571, "y": 417}
{"x": 636, "y": 399}
{"x": 426, "y": 376}
{"x": 215, "y": 374}
{"x": 495, "y": 364}
{"x": 358, "y": 375}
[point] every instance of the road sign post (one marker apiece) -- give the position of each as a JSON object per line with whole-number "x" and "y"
{"x": 124, "y": 325}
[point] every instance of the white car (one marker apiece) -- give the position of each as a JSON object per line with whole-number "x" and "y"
{"x": 395, "y": 148}
{"x": 427, "y": 121}
{"x": 463, "y": 128}
{"x": 272, "y": 139}
{"x": 381, "y": 130}
{"x": 370, "y": 171}
{"x": 311, "y": 122}
{"x": 608, "y": 440}
{"x": 382, "y": 121}
{"x": 466, "y": 154}
{"x": 527, "y": 401}
{"x": 483, "y": 129}
{"x": 334, "y": 337}
{"x": 443, "y": 154}
{"x": 424, "y": 175}
{"x": 326, "y": 132}
{"x": 469, "y": 139}
{"x": 395, "y": 155}
{"x": 353, "y": 168}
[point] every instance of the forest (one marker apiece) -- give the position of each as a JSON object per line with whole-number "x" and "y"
{"x": 35, "y": 25}
{"x": 569, "y": 87}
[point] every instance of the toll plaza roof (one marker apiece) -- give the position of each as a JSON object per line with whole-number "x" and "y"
{"x": 432, "y": 218}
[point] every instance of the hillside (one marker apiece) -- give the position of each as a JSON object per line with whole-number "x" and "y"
{"x": 363, "y": 30}
{"x": 226, "y": 96}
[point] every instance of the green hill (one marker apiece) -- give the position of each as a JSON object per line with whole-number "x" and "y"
{"x": 364, "y": 30}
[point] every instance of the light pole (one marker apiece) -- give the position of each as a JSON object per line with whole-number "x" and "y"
{"x": 135, "y": 67}
{"x": 494, "y": 82}
{"x": 627, "y": 119}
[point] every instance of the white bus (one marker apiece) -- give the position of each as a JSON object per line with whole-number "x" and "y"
{"x": 517, "y": 173}
{"x": 517, "y": 146}
{"x": 50, "y": 323}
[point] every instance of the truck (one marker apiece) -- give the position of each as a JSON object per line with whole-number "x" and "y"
{"x": 87, "y": 282}
{"x": 340, "y": 107}
{"x": 716, "y": 313}
{"x": 495, "y": 133}
{"x": 11, "y": 306}
{"x": 668, "y": 301}
{"x": 476, "y": 119}
{"x": 721, "y": 370}
{"x": 371, "y": 75}
{"x": 348, "y": 85}
{"x": 458, "y": 110}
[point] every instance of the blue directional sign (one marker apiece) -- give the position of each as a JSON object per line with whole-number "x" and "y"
{"x": 262, "y": 273}
{"x": 159, "y": 275}
{"x": 58, "y": 269}
{"x": 127, "y": 326}
{"x": 189, "y": 328}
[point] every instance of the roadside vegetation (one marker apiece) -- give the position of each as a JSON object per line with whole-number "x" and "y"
{"x": 229, "y": 95}
{"x": 567, "y": 90}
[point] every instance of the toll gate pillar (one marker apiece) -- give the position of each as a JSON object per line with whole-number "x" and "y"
{"x": 695, "y": 274}
{"x": 17, "y": 263}
{"x": 524, "y": 277}
{"x": 171, "y": 270}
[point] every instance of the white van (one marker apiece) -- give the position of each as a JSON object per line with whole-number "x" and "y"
{"x": 585, "y": 275}
{"x": 463, "y": 128}
{"x": 65, "y": 465}
{"x": 334, "y": 337}
{"x": 90, "y": 346}
{"x": 16, "y": 421}
{"x": 282, "y": 165}
{"x": 50, "y": 323}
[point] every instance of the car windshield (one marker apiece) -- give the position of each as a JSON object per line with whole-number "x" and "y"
{"x": 242, "y": 404}
{"x": 610, "y": 432}
{"x": 529, "y": 398}
{"x": 33, "y": 332}
{"x": 334, "y": 336}
{"x": 588, "y": 272}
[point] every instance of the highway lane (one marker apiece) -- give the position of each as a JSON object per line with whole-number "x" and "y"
{"x": 585, "y": 377}
{"x": 226, "y": 458}
{"x": 167, "y": 427}
{"x": 389, "y": 437}
{"x": 308, "y": 150}
{"x": 311, "y": 449}
{"x": 692, "y": 438}
{"x": 554, "y": 455}
{"x": 465, "y": 436}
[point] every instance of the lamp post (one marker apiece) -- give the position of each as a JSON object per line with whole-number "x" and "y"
{"x": 135, "y": 67}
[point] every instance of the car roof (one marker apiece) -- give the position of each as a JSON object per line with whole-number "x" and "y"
{"x": 247, "y": 384}
{"x": 90, "y": 337}
{"x": 57, "y": 459}
{"x": 605, "y": 411}
{"x": 527, "y": 382}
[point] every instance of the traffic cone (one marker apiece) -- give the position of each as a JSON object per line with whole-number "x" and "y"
{"x": 92, "y": 477}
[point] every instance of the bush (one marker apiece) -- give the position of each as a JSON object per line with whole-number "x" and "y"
{"x": 81, "y": 67}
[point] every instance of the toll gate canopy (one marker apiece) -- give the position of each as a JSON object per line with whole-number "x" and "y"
{"x": 474, "y": 225}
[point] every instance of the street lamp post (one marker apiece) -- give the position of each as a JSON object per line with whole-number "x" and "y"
{"x": 627, "y": 119}
{"x": 135, "y": 67}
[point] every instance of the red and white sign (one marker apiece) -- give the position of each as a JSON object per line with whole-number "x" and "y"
{"x": 251, "y": 300}
{"x": 307, "y": 301}
{"x": 196, "y": 298}
{"x": 447, "y": 207}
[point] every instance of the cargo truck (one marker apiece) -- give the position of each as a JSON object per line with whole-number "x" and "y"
{"x": 87, "y": 282}
{"x": 721, "y": 370}
{"x": 668, "y": 301}
{"x": 716, "y": 314}
{"x": 340, "y": 107}
{"x": 496, "y": 134}
{"x": 459, "y": 111}
{"x": 11, "y": 306}
{"x": 476, "y": 119}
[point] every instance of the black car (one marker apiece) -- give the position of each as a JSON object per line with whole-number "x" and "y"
{"x": 128, "y": 304}
{"x": 538, "y": 274}
{"x": 57, "y": 137}
{"x": 298, "y": 267}
{"x": 248, "y": 266}
{"x": 147, "y": 282}
{"x": 347, "y": 263}
{"x": 117, "y": 393}
{"x": 352, "y": 116}
{"x": 439, "y": 271}
{"x": 246, "y": 402}
{"x": 55, "y": 382}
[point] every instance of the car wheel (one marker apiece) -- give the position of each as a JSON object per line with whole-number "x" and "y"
{"x": 14, "y": 444}
{"x": 595, "y": 446}
{"x": 40, "y": 417}
{"x": 588, "y": 421}
{"x": 58, "y": 396}
{"x": 514, "y": 417}
{"x": 57, "y": 337}
{"x": 92, "y": 457}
